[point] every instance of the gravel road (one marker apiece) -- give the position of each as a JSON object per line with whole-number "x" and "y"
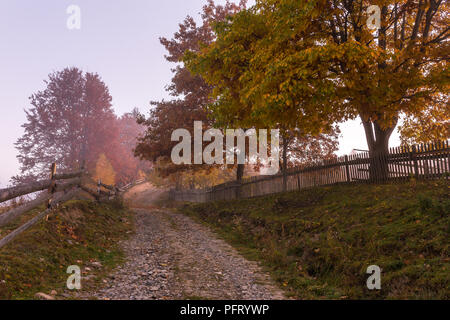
{"x": 173, "y": 257}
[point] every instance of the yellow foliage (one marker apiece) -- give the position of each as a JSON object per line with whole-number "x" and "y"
{"x": 104, "y": 171}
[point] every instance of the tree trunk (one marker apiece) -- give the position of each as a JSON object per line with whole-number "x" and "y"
{"x": 378, "y": 143}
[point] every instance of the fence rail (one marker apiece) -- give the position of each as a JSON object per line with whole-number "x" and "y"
{"x": 424, "y": 161}
{"x": 61, "y": 188}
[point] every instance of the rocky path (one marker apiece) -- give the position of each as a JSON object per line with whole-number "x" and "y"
{"x": 173, "y": 257}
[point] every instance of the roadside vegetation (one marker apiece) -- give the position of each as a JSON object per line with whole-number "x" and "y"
{"x": 318, "y": 243}
{"x": 81, "y": 232}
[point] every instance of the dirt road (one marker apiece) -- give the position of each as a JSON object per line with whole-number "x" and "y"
{"x": 173, "y": 257}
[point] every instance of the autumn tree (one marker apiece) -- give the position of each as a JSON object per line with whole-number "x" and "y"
{"x": 400, "y": 68}
{"x": 300, "y": 150}
{"x": 129, "y": 168}
{"x": 309, "y": 64}
{"x": 104, "y": 171}
{"x": 433, "y": 124}
{"x": 71, "y": 120}
{"x": 190, "y": 92}
{"x": 227, "y": 65}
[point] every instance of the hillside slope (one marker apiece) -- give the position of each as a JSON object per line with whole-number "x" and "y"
{"x": 80, "y": 232}
{"x": 319, "y": 242}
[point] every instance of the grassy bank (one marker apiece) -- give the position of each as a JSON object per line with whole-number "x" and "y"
{"x": 82, "y": 233}
{"x": 318, "y": 243}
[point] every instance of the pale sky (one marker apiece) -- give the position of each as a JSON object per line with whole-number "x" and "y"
{"x": 118, "y": 39}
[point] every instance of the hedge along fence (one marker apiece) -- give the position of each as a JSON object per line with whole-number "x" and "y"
{"x": 424, "y": 161}
{"x": 61, "y": 188}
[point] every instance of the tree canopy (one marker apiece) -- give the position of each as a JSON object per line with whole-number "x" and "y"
{"x": 191, "y": 94}
{"x": 309, "y": 64}
{"x": 72, "y": 121}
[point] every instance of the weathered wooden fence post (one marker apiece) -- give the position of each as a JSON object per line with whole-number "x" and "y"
{"x": 414, "y": 159}
{"x": 83, "y": 167}
{"x": 99, "y": 184}
{"x": 238, "y": 189}
{"x": 83, "y": 172}
{"x": 52, "y": 188}
{"x": 347, "y": 170}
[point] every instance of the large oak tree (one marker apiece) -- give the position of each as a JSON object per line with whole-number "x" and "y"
{"x": 306, "y": 64}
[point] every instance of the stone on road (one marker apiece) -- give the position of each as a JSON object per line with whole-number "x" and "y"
{"x": 173, "y": 257}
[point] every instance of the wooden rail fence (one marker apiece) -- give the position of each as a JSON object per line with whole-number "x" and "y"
{"x": 61, "y": 188}
{"x": 424, "y": 161}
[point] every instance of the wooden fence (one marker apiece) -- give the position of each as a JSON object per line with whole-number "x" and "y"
{"x": 61, "y": 188}
{"x": 425, "y": 161}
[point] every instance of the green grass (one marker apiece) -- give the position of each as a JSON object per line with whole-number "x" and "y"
{"x": 318, "y": 243}
{"x": 78, "y": 233}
